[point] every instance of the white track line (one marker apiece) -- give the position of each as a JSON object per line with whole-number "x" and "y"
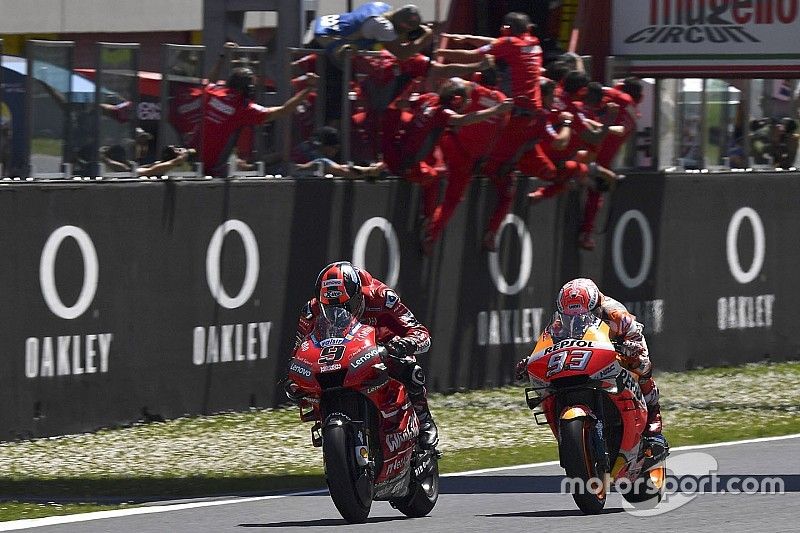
{"x": 98, "y": 515}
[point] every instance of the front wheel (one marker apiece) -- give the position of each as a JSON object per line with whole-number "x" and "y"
{"x": 577, "y": 457}
{"x": 422, "y": 495}
{"x": 350, "y": 488}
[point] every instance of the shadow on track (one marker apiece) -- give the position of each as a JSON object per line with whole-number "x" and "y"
{"x": 114, "y": 490}
{"x": 500, "y": 484}
{"x": 554, "y": 513}
{"x": 326, "y": 522}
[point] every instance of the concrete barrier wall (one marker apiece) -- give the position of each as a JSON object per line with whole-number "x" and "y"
{"x": 126, "y": 300}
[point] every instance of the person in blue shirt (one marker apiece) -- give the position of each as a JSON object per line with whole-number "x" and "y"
{"x": 373, "y": 24}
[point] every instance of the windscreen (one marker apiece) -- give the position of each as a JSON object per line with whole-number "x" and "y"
{"x": 333, "y": 322}
{"x": 565, "y": 326}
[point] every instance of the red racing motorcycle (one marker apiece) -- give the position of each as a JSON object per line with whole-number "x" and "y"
{"x": 363, "y": 420}
{"x": 597, "y": 413}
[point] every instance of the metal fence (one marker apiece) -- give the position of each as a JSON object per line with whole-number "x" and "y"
{"x": 103, "y": 123}
{"x": 100, "y": 123}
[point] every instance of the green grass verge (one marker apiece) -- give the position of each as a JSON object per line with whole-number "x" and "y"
{"x": 266, "y": 450}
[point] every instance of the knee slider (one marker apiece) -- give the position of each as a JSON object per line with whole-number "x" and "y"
{"x": 415, "y": 378}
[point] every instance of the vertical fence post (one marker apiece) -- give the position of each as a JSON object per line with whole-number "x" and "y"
{"x": 344, "y": 129}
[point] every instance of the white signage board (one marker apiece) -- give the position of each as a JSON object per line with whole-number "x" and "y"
{"x": 717, "y": 38}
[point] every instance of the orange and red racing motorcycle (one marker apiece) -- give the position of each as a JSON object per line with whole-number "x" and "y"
{"x": 596, "y": 411}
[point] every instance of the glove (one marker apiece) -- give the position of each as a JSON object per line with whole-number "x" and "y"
{"x": 630, "y": 353}
{"x": 400, "y": 348}
{"x": 521, "y": 370}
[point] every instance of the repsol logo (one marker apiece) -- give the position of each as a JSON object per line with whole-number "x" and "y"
{"x": 300, "y": 369}
{"x": 630, "y": 383}
{"x": 711, "y": 21}
{"x": 395, "y": 440}
{"x": 569, "y": 343}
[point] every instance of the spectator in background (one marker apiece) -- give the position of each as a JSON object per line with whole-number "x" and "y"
{"x": 774, "y": 141}
{"x": 228, "y": 109}
{"x": 142, "y": 150}
{"x": 321, "y": 153}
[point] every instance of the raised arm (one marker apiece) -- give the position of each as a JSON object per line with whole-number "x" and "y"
{"x": 460, "y": 70}
{"x": 459, "y": 56}
{"x": 275, "y": 113}
{"x": 483, "y": 114}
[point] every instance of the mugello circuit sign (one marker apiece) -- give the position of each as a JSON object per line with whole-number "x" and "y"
{"x": 729, "y": 35}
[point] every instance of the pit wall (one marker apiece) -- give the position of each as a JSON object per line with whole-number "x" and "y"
{"x": 124, "y": 301}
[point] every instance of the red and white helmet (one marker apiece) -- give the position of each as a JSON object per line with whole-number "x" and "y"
{"x": 578, "y": 297}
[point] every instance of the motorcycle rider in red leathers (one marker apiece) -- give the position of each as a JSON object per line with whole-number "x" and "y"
{"x": 581, "y": 296}
{"x": 341, "y": 284}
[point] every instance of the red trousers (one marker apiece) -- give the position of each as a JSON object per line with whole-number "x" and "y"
{"x": 461, "y": 165}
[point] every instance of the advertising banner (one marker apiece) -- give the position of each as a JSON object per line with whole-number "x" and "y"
{"x": 150, "y": 300}
{"x": 130, "y": 301}
{"x": 728, "y": 37}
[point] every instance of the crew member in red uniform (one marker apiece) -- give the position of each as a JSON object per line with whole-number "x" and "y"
{"x": 600, "y": 115}
{"x": 627, "y": 95}
{"x": 385, "y": 77}
{"x": 463, "y": 149}
{"x": 408, "y": 141}
{"x": 586, "y": 135}
{"x": 518, "y": 57}
{"x": 517, "y": 54}
{"x": 228, "y": 109}
{"x": 341, "y": 284}
{"x": 554, "y": 134}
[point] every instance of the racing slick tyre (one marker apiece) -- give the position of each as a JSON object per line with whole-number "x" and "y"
{"x": 422, "y": 495}
{"x": 343, "y": 475}
{"x": 577, "y": 457}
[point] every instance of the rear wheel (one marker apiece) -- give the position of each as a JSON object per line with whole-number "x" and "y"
{"x": 422, "y": 495}
{"x": 350, "y": 487}
{"x": 577, "y": 456}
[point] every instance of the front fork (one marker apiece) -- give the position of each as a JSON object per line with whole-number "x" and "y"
{"x": 597, "y": 436}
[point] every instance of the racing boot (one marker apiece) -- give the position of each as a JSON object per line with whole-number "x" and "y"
{"x": 428, "y": 433}
{"x": 656, "y": 447}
